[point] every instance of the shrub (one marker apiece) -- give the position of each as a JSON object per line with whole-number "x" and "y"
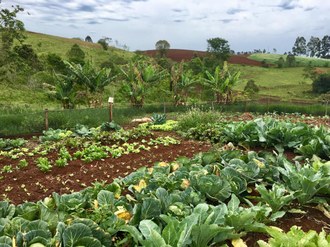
{"x": 251, "y": 87}
{"x": 321, "y": 84}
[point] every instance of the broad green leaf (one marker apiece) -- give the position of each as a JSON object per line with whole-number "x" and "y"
{"x": 233, "y": 204}
{"x": 151, "y": 208}
{"x": 155, "y": 240}
{"x": 146, "y": 227}
{"x": 133, "y": 231}
{"x": 106, "y": 199}
{"x": 74, "y": 233}
{"x": 5, "y": 241}
{"x": 7, "y": 210}
{"x": 203, "y": 234}
{"x": 88, "y": 242}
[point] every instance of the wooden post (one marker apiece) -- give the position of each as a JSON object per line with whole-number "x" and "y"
{"x": 110, "y": 111}
{"x": 46, "y": 119}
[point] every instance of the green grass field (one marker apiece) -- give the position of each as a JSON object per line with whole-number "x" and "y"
{"x": 300, "y": 61}
{"x": 286, "y": 83}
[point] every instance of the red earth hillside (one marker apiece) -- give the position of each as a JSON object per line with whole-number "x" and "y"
{"x": 179, "y": 54}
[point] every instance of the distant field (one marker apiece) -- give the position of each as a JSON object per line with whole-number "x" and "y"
{"x": 301, "y": 61}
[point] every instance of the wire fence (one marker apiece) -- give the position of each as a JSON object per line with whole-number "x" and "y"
{"x": 33, "y": 122}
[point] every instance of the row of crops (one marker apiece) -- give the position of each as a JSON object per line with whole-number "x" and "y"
{"x": 214, "y": 199}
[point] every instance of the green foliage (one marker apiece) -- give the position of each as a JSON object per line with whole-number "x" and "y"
{"x": 76, "y": 55}
{"x": 251, "y": 87}
{"x": 103, "y": 43}
{"x": 28, "y": 55}
{"x": 221, "y": 82}
{"x": 158, "y": 118}
{"x": 162, "y": 47}
{"x": 8, "y": 144}
{"x": 277, "y": 198}
{"x": 290, "y": 60}
{"x": 196, "y": 117}
{"x": 11, "y": 28}
{"x": 219, "y": 48}
{"x": 322, "y": 83}
{"x": 56, "y": 63}
{"x": 44, "y": 164}
{"x": 137, "y": 78}
{"x": 110, "y": 126}
{"x": 295, "y": 238}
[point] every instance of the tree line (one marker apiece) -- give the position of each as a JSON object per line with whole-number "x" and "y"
{"x": 315, "y": 47}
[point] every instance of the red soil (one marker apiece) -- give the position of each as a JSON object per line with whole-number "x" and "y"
{"x": 179, "y": 55}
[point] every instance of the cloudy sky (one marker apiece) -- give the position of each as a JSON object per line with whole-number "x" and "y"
{"x": 185, "y": 24}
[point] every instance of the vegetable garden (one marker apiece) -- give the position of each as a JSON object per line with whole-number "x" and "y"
{"x": 228, "y": 182}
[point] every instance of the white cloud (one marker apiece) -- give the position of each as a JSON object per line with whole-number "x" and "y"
{"x": 247, "y": 25}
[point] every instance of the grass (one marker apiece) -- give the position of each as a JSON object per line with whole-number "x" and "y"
{"x": 300, "y": 61}
{"x": 285, "y": 83}
{"x": 44, "y": 44}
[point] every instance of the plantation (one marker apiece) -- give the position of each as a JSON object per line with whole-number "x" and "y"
{"x": 224, "y": 180}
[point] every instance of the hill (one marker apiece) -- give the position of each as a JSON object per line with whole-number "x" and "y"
{"x": 179, "y": 55}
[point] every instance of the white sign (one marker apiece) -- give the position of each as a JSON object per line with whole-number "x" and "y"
{"x": 110, "y": 100}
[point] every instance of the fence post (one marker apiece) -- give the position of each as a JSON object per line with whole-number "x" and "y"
{"x": 46, "y": 119}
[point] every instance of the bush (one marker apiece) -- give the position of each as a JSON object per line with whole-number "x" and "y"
{"x": 321, "y": 84}
{"x": 251, "y": 87}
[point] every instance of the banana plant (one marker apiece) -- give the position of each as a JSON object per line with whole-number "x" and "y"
{"x": 181, "y": 83}
{"x": 221, "y": 82}
{"x": 137, "y": 78}
{"x": 65, "y": 91}
{"x": 94, "y": 80}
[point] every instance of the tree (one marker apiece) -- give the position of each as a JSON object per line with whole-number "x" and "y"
{"x": 88, "y": 39}
{"x": 325, "y": 47}
{"x": 299, "y": 47}
{"x": 290, "y": 60}
{"x": 103, "y": 43}
{"x": 11, "y": 28}
{"x": 162, "y": 47}
{"x": 314, "y": 47}
{"x": 219, "y": 48}
{"x": 76, "y": 55}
